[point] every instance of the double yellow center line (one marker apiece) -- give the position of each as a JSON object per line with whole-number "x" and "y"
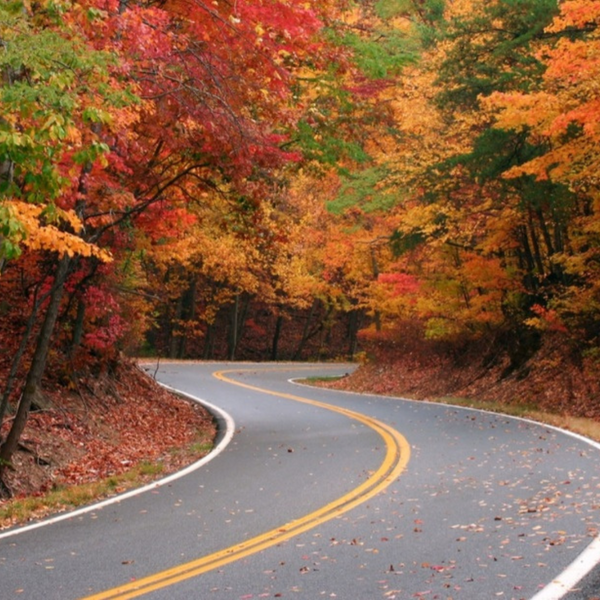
{"x": 396, "y": 458}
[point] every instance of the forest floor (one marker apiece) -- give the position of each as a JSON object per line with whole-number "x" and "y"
{"x": 554, "y": 386}
{"x": 102, "y": 436}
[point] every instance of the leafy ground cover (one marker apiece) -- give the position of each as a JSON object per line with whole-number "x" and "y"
{"x": 104, "y": 435}
{"x": 554, "y": 386}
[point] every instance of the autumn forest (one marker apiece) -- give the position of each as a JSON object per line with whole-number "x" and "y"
{"x": 286, "y": 180}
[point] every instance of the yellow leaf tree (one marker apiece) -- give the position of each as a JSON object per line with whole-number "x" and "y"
{"x": 563, "y": 119}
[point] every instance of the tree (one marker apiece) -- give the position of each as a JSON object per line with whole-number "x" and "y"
{"x": 53, "y": 88}
{"x": 481, "y": 247}
{"x": 116, "y": 114}
{"x": 563, "y": 119}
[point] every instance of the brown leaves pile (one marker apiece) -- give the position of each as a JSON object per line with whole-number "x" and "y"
{"x": 105, "y": 427}
{"x": 551, "y": 381}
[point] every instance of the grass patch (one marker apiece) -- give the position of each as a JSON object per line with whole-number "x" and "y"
{"x": 18, "y": 511}
{"x": 21, "y": 510}
{"x": 201, "y": 448}
{"x": 202, "y": 445}
{"x": 321, "y": 379}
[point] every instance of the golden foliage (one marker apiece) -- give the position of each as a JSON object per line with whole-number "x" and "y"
{"x": 42, "y": 236}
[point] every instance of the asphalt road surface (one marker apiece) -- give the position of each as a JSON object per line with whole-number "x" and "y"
{"x": 320, "y": 494}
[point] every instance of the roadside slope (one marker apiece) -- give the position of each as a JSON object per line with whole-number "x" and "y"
{"x": 120, "y": 428}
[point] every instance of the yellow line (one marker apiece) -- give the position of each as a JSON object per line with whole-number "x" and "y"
{"x": 395, "y": 460}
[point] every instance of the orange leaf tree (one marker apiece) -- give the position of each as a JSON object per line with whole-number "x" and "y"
{"x": 563, "y": 120}
{"x": 485, "y": 249}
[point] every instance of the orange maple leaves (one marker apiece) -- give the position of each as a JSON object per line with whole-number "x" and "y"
{"x": 566, "y": 112}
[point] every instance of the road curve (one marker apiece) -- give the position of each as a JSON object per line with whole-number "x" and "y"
{"x": 325, "y": 494}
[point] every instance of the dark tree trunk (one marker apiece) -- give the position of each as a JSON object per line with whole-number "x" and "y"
{"x": 78, "y": 327}
{"x": 375, "y": 265}
{"x": 174, "y": 330}
{"x": 276, "y": 336}
{"x": 38, "y": 364}
{"x": 232, "y": 337}
{"x": 536, "y": 247}
{"x": 306, "y": 330}
{"x": 526, "y": 258}
{"x": 188, "y": 314}
{"x": 209, "y": 340}
{"x": 354, "y": 323}
{"x": 236, "y": 325}
{"x": 545, "y": 232}
{"x": 16, "y": 362}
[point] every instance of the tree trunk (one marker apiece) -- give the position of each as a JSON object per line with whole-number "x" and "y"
{"x": 375, "y": 265}
{"x": 236, "y": 324}
{"x": 232, "y": 338}
{"x": 6, "y": 175}
{"x": 531, "y": 282}
{"x": 306, "y": 331}
{"x": 545, "y": 232}
{"x": 188, "y": 314}
{"x": 209, "y": 339}
{"x": 174, "y": 328}
{"x": 536, "y": 247}
{"x": 38, "y": 365}
{"x": 16, "y": 361}
{"x": 276, "y": 336}
{"x": 78, "y": 327}
{"x": 354, "y": 322}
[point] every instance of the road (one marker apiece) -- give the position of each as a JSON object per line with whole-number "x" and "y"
{"x": 321, "y": 494}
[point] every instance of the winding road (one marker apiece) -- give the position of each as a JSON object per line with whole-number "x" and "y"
{"x": 313, "y": 493}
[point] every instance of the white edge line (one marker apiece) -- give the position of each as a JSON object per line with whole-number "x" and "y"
{"x": 572, "y": 575}
{"x": 215, "y": 410}
{"x": 561, "y": 585}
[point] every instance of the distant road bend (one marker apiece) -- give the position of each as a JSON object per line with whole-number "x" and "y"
{"x": 323, "y": 494}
